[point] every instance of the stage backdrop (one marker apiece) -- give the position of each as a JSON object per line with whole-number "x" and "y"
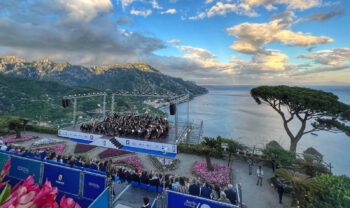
{"x": 176, "y": 200}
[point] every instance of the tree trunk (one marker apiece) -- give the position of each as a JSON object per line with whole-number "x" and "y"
{"x": 209, "y": 165}
{"x": 18, "y": 133}
{"x": 293, "y": 145}
{"x": 229, "y": 159}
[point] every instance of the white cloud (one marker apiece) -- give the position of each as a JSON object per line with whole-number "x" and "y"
{"x": 95, "y": 39}
{"x": 334, "y": 56}
{"x": 176, "y": 42}
{"x": 169, "y": 11}
{"x": 291, "y": 4}
{"x": 252, "y": 36}
{"x": 126, "y": 3}
{"x": 209, "y": 1}
{"x": 144, "y": 13}
{"x": 155, "y": 5}
{"x": 199, "y": 16}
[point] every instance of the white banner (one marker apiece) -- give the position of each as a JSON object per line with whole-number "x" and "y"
{"x": 171, "y": 148}
{"x": 78, "y": 135}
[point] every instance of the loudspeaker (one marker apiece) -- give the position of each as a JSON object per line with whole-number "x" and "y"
{"x": 65, "y": 103}
{"x": 172, "y": 109}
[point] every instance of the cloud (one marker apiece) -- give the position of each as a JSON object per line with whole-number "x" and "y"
{"x": 169, "y": 11}
{"x": 96, "y": 39}
{"x": 327, "y": 60}
{"x": 334, "y": 56}
{"x": 291, "y": 4}
{"x": 209, "y": 1}
{"x": 222, "y": 9}
{"x": 144, "y": 13}
{"x": 176, "y": 42}
{"x": 155, "y": 5}
{"x": 126, "y": 3}
{"x": 253, "y": 36}
{"x": 124, "y": 20}
{"x": 199, "y": 16}
{"x": 322, "y": 16}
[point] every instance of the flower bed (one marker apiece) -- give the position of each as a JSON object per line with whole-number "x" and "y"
{"x": 58, "y": 148}
{"x": 46, "y": 141}
{"x": 25, "y": 137}
{"x": 81, "y": 148}
{"x": 133, "y": 161}
{"x": 220, "y": 174}
{"x": 170, "y": 164}
{"x": 112, "y": 153}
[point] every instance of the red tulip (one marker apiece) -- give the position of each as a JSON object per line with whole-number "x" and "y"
{"x": 5, "y": 169}
{"x": 68, "y": 203}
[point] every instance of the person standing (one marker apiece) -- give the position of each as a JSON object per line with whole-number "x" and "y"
{"x": 146, "y": 203}
{"x": 273, "y": 165}
{"x": 260, "y": 175}
{"x": 250, "y": 165}
{"x": 280, "y": 190}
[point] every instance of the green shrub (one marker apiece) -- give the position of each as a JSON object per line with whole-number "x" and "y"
{"x": 282, "y": 157}
{"x": 42, "y": 129}
{"x": 335, "y": 192}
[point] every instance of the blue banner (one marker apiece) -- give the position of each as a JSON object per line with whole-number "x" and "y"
{"x": 66, "y": 180}
{"x": 93, "y": 185}
{"x": 101, "y": 201}
{"x": 21, "y": 168}
{"x": 176, "y": 200}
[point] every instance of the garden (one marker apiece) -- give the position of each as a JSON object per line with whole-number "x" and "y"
{"x": 130, "y": 162}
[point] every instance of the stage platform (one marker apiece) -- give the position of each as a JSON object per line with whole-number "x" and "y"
{"x": 135, "y": 144}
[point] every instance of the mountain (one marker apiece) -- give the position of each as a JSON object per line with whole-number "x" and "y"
{"x": 41, "y": 100}
{"x": 129, "y": 77}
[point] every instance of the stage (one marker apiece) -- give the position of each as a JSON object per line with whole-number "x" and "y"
{"x": 154, "y": 146}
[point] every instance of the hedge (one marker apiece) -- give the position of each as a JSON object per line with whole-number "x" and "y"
{"x": 42, "y": 129}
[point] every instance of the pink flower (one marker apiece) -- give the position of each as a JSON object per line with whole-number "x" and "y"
{"x": 68, "y": 203}
{"x": 220, "y": 175}
{"x": 133, "y": 161}
{"x": 57, "y": 148}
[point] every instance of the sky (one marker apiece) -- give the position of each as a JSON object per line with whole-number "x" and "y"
{"x": 227, "y": 42}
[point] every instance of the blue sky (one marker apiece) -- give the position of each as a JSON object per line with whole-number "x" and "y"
{"x": 207, "y": 41}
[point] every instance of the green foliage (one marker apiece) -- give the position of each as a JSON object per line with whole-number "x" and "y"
{"x": 300, "y": 183}
{"x": 282, "y": 157}
{"x": 334, "y": 192}
{"x": 5, "y": 193}
{"x": 324, "y": 109}
{"x": 234, "y": 146}
{"x": 42, "y": 129}
{"x": 41, "y": 101}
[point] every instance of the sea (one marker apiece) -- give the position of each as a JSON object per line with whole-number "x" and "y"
{"x": 230, "y": 111}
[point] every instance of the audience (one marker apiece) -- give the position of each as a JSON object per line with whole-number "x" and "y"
{"x": 194, "y": 188}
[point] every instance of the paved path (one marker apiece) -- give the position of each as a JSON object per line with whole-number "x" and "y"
{"x": 256, "y": 196}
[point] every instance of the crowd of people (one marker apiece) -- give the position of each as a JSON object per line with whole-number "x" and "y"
{"x": 181, "y": 184}
{"x": 138, "y": 126}
{"x": 152, "y": 178}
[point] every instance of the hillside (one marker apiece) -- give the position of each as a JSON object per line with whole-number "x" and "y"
{"x": 41, "y": 100}
{"x": 129, "y": 77}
